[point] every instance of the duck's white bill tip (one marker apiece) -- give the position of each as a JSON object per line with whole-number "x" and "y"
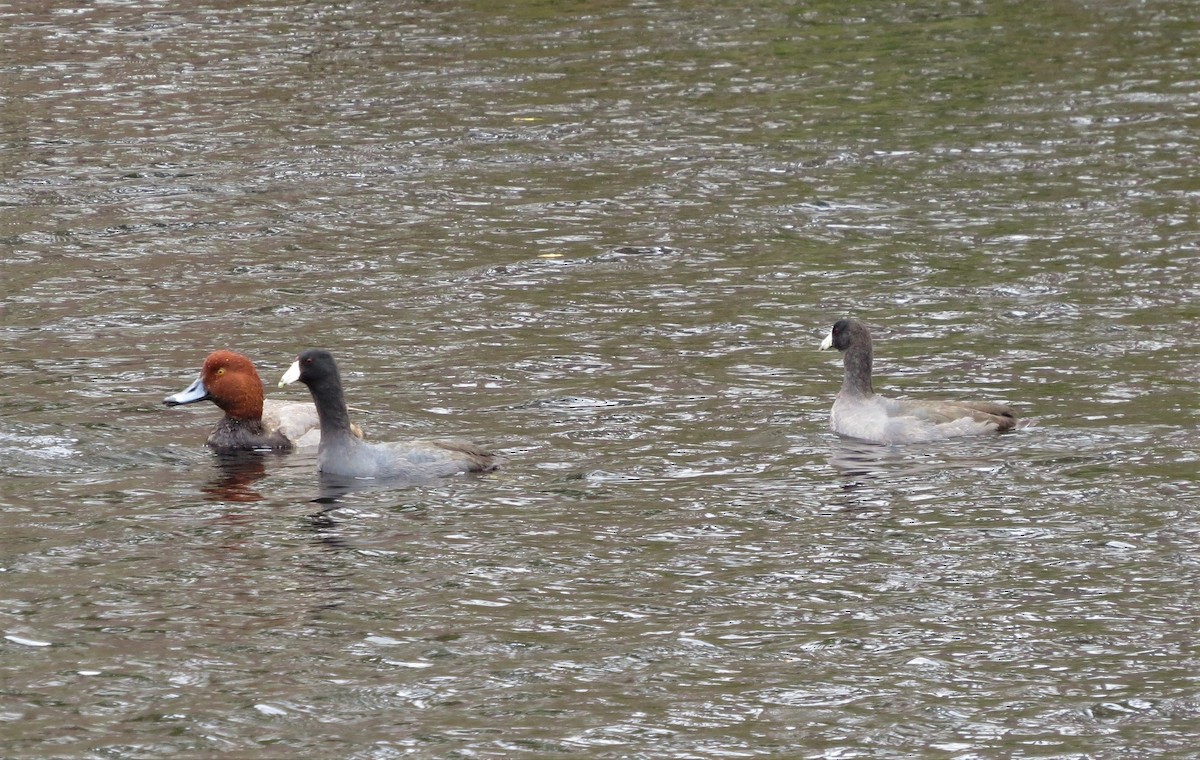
{"x": 291, "y": 376}
{"x": 828, "y": 342}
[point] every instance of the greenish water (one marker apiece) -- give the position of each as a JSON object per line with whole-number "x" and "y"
{"x": 605, "y": 239}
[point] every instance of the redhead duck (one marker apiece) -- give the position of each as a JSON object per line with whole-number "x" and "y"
{"x": 340, "y": 453}
{"x": 230, "y": 381}
{"x": 859, "y": 413}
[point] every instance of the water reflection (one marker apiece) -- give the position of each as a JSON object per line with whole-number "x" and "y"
{"x": 342, "y": 501}
{"x": 861, "y": 459}
{"x": 873, "y": 476}
{"x": 863, "y": 470}
{"x": 467, "y": 204}
{"x": 333, "y": 488}
{"x": 237, "y": 472}
{"x": 327, "y": 531}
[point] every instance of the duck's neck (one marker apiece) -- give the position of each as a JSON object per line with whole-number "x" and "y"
{"x": 242, "y": 425}
{"x": 236, "y": 434}
{"x": 857, "y": 361}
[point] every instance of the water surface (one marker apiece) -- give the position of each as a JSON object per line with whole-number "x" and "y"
{"x": 606, "y": 240}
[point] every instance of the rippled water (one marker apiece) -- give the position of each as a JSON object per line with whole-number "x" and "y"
{"x": 605, "y": 239}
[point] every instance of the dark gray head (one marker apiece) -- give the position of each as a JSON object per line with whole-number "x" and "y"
{"x": 315, "y": 366}
{"x": 853, "y": 339}
{"x": 845, "y": 333}
{"x": 317, "y": 369}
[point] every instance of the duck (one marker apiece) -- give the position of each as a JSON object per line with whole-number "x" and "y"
{"x": 340, "y": 453}
{"x": 229, "y": 380}
{"x": 859, "y": 413}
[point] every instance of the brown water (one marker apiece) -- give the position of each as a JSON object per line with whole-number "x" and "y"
{"x": 605, "y": 238}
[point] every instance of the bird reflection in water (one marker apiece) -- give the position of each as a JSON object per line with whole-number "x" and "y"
{"x": 236, "y": 474}
{"x": 856, "y": 460}
{"x": 329, "y": 498}
{"x": 334, "y": 487}
{"x": 874, "y": 475}
{"x": 867, "y": 471}
{"x": 326, "y": 523}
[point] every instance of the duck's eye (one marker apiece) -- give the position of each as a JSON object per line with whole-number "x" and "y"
{"x": 220, "y": 371}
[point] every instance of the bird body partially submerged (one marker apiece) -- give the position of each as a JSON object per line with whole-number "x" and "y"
{"x": 859, "y": 413}
{"x": 340, "y": 453}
